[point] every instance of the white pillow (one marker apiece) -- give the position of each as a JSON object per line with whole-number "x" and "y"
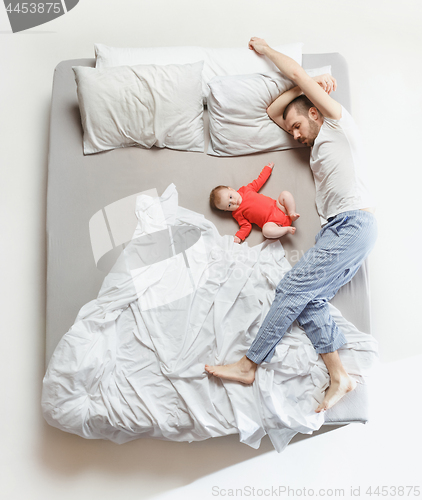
{"x": 224, "y": 61}
{"x": 107, "y": 57}
{"x": 237, "y": 110}
{"x": 141, "y": 106}
{"x": 242, "y": 61}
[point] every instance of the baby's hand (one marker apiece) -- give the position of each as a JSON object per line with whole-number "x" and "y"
{"x": 237, "y": 239}
{"x": 271, "y": 165}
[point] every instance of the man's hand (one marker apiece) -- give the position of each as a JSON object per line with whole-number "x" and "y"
{"x": 327, "y": 82}
{"x": 317, "y": 92}
{"x": 237, "y": 239}
{"x": 258, "y": 45}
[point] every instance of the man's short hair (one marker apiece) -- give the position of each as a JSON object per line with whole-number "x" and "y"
{"x": 214, "y": 195}
{"x": 302, "y": 105}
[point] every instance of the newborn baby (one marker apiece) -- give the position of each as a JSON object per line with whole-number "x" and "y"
{"x": 249, "y": 207}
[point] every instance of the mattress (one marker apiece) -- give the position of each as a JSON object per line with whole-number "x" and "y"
{"x": 81, "y": 187}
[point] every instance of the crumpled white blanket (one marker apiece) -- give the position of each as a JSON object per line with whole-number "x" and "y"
{"x": 132, "y": 365}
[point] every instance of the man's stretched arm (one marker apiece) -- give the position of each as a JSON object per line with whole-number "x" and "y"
{"x": 276, "y": 109}
{"x": 306, "y": 84}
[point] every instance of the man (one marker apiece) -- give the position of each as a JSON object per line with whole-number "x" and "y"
{"x": 342, "y": 199}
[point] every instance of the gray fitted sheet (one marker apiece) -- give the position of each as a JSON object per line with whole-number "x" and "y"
{"x": 79, "y": 186}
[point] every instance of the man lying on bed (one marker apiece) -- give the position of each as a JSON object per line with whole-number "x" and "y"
{"x": 337, "y": 163}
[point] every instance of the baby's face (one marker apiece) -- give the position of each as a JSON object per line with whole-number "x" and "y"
{"x": 229, "y": 201}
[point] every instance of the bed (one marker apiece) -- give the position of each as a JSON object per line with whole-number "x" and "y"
{"x": 85, "y": 190}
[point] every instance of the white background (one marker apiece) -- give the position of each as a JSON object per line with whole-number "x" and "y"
{"x": 381, "y": 41}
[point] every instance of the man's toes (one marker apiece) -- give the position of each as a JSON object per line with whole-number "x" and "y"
{"x": 322, "y": 406}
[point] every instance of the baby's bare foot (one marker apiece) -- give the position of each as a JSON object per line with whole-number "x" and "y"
{"x": 294, "y": 216}
{"x": 291, "y": 230}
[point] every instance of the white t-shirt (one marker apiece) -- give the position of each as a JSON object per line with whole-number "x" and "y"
{"x": 338, "y": 164}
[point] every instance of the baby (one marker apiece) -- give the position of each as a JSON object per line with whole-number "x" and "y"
{"x": 250, "y": 207}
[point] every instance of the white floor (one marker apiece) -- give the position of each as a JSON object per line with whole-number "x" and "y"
{"x": 354, "y": 457}
{"x": 382, "y": 42}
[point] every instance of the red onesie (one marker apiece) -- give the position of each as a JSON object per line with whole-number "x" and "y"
{"x": 257, "y": 208}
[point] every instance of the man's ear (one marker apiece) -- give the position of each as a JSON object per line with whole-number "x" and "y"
{"x": 313, "y": 113}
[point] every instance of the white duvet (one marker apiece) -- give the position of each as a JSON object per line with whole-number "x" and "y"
{"x": 132, "y": 365}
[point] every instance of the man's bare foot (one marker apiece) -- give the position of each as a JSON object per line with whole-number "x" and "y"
{"x": 241, "y": 371}
{"x": 294, "y": 216}
{"x": 336, "y": 391}
{"x": 291, "y": 230}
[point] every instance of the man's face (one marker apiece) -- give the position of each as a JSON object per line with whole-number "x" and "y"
{"x": 229, "y": 200}
{"x": 303, "y": 128}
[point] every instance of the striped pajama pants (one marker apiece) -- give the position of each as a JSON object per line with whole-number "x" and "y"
{"x": 303, "y": 294}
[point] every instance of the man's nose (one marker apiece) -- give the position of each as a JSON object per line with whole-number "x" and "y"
{"x": 296, "y": 134}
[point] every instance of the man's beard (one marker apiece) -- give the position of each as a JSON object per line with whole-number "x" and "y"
{"x": 313, "y": 132}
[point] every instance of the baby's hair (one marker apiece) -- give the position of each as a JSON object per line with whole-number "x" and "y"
{"x": 214, "y": 197}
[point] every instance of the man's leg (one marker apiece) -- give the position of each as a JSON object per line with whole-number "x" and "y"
{"x": 298, "y": 287}
{"x": 326, "y": 338}
{"x": 323, "y": 332}
{"x": 340, "y": 248}
{"x": 341, "y": 245}
{"x": 317, "y": 271}
{"x": 340, "y": 381}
